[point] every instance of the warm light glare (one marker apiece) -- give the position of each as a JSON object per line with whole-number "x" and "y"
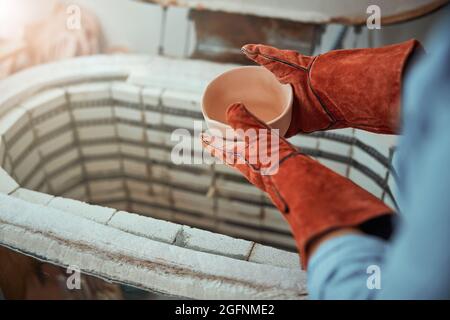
{"x": 11, "y": 18}
{"x": 16, "y": 14}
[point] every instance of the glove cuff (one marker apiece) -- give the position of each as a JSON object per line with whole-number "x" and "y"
{"x": 321, "y": 200}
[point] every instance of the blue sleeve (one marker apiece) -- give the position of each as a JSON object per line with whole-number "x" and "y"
{"x": 339, "y": 269}
{"x": 415, "y": 264}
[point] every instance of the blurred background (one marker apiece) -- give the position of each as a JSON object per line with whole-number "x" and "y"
{"x": 34, "y": 32}
{"x": 30, "y": 31}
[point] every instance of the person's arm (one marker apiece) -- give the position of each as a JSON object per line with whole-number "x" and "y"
{"x": 357, "y": 88}
{"x": 416, "y": 263}
{"x": 313, "y": 199}
{"x": 346, "y": 266}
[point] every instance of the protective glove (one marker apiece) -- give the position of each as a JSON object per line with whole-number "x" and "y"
{"x": 358, "y": 88}
{"x": 312, "y": 198}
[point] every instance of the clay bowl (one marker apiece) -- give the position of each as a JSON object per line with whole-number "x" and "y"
{"x": 254, "y": 86}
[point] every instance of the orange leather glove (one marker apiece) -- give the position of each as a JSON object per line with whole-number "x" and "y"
{"x": 312, "y": 198}
{"x": 358, "y": 88}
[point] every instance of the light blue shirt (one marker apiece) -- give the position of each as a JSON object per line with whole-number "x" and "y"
{"x": 415, "y": 263}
